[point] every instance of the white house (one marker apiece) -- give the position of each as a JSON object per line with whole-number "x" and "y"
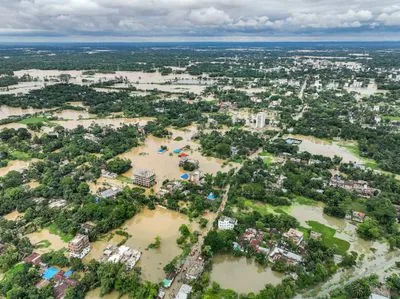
{"x": 226, "y": 223}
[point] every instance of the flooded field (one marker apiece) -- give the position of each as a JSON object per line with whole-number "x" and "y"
{"x": 242, "y": 275}
{"x": 13, "y": 215}
{"x": 55, "y": 241}
{"x": 149, "y": 224}
{"x": 344, "y": 229}
{"x": 115, "y": 122}
{"x": 318, "y": 146}
{"x": 7, "y": 111}
{"x": 165, "y": 165}
{"x": 95, "y": 294}
{"x": 70, "y": 114}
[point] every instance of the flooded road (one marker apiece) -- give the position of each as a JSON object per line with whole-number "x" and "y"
{"x": 242, "y": 275}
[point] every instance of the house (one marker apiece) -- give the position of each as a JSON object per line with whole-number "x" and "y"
{"x": 61, "y": 287}
{"x": 144, "y": 177}
{"x": 33, "y": 259}
{"x": 295, "y": 236}
{"x": 122, "y": 254}
{"x": 108, "y": 174}
{"x": 193, "y": 164}
{"x": 87, "y": 227}
{"x": 253, "y": 238}
{"x": 184, "y": 292}
{"x": 358, "y": 216}
{"x": 290, "y": 258}
{"x": 226, "y": 223}
{"x": 359, "y": 186}
{"x": 79, "y": 246}
{"x": 315, "y": 236}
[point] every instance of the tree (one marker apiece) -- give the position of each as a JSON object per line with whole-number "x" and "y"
{"x": 119, "y": 165}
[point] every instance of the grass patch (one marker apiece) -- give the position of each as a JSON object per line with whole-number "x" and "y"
{"x": 264, "y": 208}
{"x": 328, "y": 237}
{"x": 18, "y": 155}
{"x": 33, "y": 120}
{"x": 43, "y": 244}
{"x": 124, "y": 179}
{"x": 301, "y": 200}
{"x": 53, "y": 229}
{"x": 355, "y": 150}
{"x": 391, "y": 117}
{"x": 14, "y": 270}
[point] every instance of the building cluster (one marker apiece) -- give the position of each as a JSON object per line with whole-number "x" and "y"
{"x": 60, "y": 279}
{"x": 356, "y": 216}
{"x": 122, "y": 254}
{"x": 144, "y": 177}
{"x": 108, "y": 174}
{"x": 195, "y": 269}
{"x": 79, "y": 246}
{"x": 254, "y": 239}
{"x": 359, "y": 186}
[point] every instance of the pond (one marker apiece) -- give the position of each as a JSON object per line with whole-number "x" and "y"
{"x": 241, "y": 274}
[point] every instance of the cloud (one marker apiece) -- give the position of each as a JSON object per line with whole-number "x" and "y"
{"x": 200, "y": 18}
{"x": 208, "y": 16}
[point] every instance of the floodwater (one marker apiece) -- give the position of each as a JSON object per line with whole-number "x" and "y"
{"x": 241, "y": 274}
{"x": 166, "y": 165}
{"x": 95, "y": 294}
{"x": 115, "y": 122}
{"x": 145, "y": 227}
{"x": 44, "y": 234}
{"x": 318, "y": 146}
{"x": 13, "y": 215}
{"x": 345, "y": 230}
{"x": 70, "y": 114}
{"x": 7, "y": 111}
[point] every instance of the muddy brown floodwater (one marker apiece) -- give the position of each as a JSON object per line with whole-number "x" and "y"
{"x": 166, "y": 165}
{"x": 317, "y": 146}
{"x": 241, "y": 274}
{"x": 55, "y": 241}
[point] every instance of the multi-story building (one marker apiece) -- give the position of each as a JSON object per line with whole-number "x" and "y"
{"x": 144, "y": 177}
{"x": 226, "y": 223}
{"x": 79, "y": 246}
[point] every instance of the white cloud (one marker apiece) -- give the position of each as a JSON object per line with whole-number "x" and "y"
{"x": 195, "y": 17}
{"x": 208, "y": 16}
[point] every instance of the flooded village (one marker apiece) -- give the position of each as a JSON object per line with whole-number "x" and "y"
{"x": 192, "y": 185}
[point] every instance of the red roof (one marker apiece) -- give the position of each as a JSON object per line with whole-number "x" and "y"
{"x": 183, "y": 155}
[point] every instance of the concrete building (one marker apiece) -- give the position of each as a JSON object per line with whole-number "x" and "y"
{"x": 144, "y": 177}
{"x": 294, "y": 235}
{"x": 122, "y": 254}
{"x": 79, "y": 246}
{"x": 281, "y": 254}
{"x": 260, "y": 120}
{"x": 110, "y": 193}
{"x": 226, "y": 223}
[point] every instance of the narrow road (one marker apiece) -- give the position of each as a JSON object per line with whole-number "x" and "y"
{"x": 301, "y": 97}
{"x": 196, "y": 250}
{"x": 379, "y": 265}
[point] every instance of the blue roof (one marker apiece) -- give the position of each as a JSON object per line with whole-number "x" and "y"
{"x": 185, "y": 176}
{"x": 68, "y": 273}
{"x": 50, "y": 272}
{"x": 211, "y": 196}
{"x": 161, "y": 151}
{"x": 177, "y": 151}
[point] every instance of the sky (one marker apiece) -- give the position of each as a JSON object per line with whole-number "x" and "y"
{"x": 198, "y": 20}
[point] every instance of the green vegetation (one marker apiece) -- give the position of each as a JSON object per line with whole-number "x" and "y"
{"x": 328, "y": 237}
{"x": 53, "y": 229}
{"x": 33, "y": 120}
